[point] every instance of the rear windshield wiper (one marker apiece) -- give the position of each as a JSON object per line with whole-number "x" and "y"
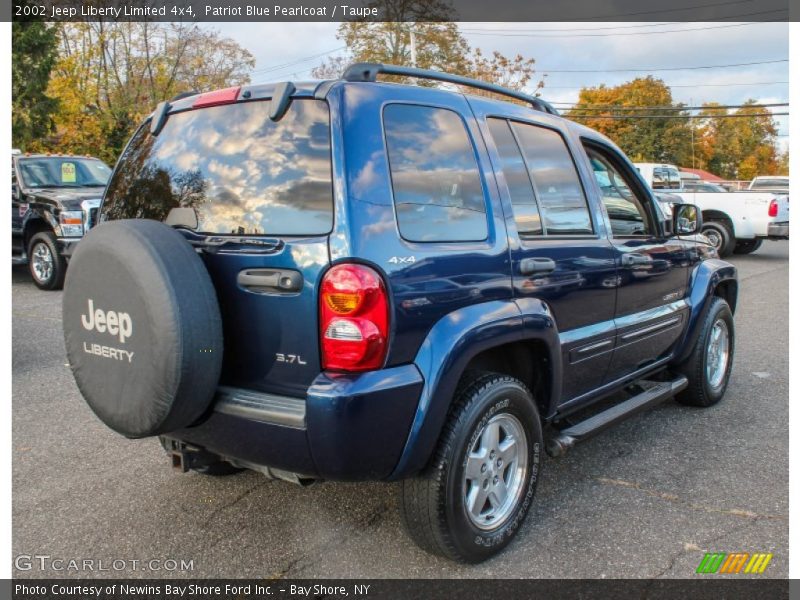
{"x": 232, "y": 244}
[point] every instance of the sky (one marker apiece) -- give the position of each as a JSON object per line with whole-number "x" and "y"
{"x": 291, "y": 50}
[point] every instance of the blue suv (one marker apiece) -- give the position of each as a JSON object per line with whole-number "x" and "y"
{"x": 360, "y": 280}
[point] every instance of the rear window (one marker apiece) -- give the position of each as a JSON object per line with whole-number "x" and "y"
{"x": 235, "y": 170}
{"x": 770, "y": 183}
{"x": 438, "y": 194}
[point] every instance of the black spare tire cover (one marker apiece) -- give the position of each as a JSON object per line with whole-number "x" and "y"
{"x": 142, "y": 327}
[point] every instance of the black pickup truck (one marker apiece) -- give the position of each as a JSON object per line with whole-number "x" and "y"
{"x": 54, "y": 199}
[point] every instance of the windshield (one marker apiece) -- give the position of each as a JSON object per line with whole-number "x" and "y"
{"x": 230, "y": 170}
{"x": 62, "y": 172}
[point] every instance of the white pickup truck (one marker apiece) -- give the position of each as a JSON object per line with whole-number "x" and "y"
{"x": 734, "y": 222}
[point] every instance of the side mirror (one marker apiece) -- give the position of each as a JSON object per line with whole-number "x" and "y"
{"x": 686, "y": 219}
{"x": 14, "y": 191}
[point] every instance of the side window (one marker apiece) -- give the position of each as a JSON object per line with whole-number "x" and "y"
{"x": 437, "y": 187}
{"x": 626, "y": 212}
{"x": 523, "y": 202}
{"x": 555, "y": 179}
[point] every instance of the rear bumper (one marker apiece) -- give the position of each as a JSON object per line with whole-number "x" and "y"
{"x": 778, "y": 231}
{"x": 349, "y": 426}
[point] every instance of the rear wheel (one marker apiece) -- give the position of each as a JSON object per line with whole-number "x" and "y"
{"x": 747, "y": 246}
{"x": 708, "y": 369}
{"x": 720, "y": 236}
{"x": 472, "y": 499}
{"x": 46, "y": 265}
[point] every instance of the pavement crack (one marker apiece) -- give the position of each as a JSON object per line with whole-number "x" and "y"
{"x": 674, "y": 499}
{"x": 233, "y": 502}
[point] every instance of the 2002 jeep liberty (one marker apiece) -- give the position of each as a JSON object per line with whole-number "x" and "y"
{"x": 357, "y": 280}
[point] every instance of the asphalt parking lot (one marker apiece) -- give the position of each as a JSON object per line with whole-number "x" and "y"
{"x": 645, "y": 499}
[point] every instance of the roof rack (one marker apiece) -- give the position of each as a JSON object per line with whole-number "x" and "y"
{"x": 370, "y": 72}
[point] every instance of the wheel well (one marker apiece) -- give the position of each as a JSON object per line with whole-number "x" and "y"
{"x": 717, "y": 215}
{"x": 33, "y": 227}
{"x": 728, "y": 291}
{"x": 528, "y": 361}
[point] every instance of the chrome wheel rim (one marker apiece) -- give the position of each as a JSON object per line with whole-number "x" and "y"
{"x": 495, "y": 473}
{"x": 714, "y": 237}
{"x": 42, "y": 262}
{"x": 717, "y": 354}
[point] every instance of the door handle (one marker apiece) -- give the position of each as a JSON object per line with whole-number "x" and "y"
{"x": 536, "y": 266}
{"x": 631, "y": 260}
{"x": 274, "y": 281}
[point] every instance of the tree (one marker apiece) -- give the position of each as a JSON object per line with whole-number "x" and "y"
{"x": 439, "y": 45}
{"x": 643, "y": 139}
{"x": 741, "y": 147}
{"x": 783, "y": 163}
{"x": 34, "y": 48}
{"x": 110, "y": 75}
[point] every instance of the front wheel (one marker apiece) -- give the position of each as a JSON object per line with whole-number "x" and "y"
{"x": 472, "y": 499}
{"x": 46, "y": 265}
{"x": 708, "y": 368}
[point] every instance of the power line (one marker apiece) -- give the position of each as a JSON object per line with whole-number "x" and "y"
{"x": 578, "y": 87}
{"x": 296, "y": 62}
{"x": 671, "y": 108}
{"x": 747, "y": 64}
{"x": 616, "y": 117}
{"x": 666, "y": 10}
{"x": 574, "y": 35}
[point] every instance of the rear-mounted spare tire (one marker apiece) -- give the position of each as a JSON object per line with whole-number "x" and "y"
{"x": 142, "y": 327}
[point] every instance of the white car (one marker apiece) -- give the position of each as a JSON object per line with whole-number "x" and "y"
{"x": 734, "y": 222}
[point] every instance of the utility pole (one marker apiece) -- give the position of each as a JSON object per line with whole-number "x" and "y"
{"x": 412, "y": 35}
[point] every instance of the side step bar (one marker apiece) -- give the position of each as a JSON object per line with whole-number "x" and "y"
{"x": 559, "y": 444}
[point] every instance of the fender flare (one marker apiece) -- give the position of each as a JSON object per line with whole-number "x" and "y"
{"x": 36, "y": 215}
{"x": 705, "y": 280}
{"x": 447, "y": 350}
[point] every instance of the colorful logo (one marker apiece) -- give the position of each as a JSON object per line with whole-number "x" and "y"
{"x": 734, "y": 563}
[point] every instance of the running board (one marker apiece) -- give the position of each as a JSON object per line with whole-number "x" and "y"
{"x": 559, "y": 444}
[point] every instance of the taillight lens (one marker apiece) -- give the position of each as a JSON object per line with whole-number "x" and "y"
{"x": 773, "y": 208}
{"x": 354, "y": 319}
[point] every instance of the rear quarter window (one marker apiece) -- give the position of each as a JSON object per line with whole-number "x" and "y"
{"x": 438, "y": 194}
{"x": 240, "y": 172}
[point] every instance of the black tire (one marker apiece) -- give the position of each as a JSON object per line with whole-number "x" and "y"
{"x": 700, "y": 391}
{"x": 433, "y": 505}
{"x": 747, "y": 246}
{"x": 220, "y": 469}
{"x": 720, "y": 236}
{"x": 42, "y": 247}
{"x": 149, "y": 361}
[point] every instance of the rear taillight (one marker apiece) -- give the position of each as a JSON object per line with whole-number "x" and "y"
{"x": 354, "y": 319}
{"x": 773, "y": 208}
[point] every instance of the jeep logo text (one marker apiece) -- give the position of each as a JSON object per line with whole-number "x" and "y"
{"x": 115, "y": 323}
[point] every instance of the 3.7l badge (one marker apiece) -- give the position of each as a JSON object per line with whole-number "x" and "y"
{"x": 289, "y": 358}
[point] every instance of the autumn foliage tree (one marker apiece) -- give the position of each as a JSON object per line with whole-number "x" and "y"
{"x": 110, "y": 75}
{"x": 612, "y": 110}
{"x": 741, "y": 147}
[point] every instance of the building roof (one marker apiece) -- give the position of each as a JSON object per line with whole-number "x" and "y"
{"x": 703, "y": 175}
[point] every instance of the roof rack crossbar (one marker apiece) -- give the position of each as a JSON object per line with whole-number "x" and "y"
{"x": 367, "y": 72}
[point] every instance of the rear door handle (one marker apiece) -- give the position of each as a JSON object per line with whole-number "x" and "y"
{"x": 270, "y": 281}
{"x": 536, "y": 266}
